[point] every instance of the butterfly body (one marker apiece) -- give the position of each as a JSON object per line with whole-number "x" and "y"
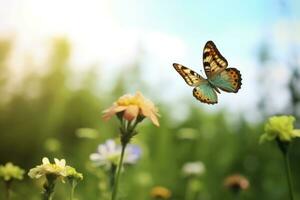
{"x": 218, "y": 76}
{"x": 213, "y": 86}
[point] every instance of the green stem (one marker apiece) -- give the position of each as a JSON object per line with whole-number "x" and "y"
{"x": 8, "y": 190}
{"x": 72, "y": 192}
{"x": 133, "y": 126}
{"x": 188, "y": 192}
{"x": 112, "y": 176}
{"x": 115, "y": 188}
{"x": 47, "y": 195}
{"x": 289, "y": 174}
{"x": 49, "y": 187}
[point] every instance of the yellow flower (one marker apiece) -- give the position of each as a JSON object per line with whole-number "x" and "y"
{"x": 132, "y": 107}
{"x": 280, "y": 127}
{"x": 160, "y": 193}
{"x": 10, "y": 171}
{"x": 58, "y": 169}
{"x": 236, "y": 182}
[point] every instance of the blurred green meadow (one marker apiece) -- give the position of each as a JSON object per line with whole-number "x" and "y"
{"x": 51, "y": 108}
{"x": 46, "y": 117}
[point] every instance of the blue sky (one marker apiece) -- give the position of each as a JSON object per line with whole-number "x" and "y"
{"x": 110, "y": 33}
{"x": 199, "y": 21}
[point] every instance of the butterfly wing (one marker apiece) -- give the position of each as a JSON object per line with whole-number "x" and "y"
{"x": 229, "y": 80}
{"x": 191, "y": 78}
{"x": 213, "y": 61}
{"x": 205, "y": 93}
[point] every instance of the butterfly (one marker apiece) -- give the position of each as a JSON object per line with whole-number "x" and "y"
{"x": 217, "y": 73}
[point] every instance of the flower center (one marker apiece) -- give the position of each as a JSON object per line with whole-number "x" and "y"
{"x": 129, "y": 101}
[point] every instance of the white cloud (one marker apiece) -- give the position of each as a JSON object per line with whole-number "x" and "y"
{"x": 286, "y": 32}
{"x": 164, "y": 46}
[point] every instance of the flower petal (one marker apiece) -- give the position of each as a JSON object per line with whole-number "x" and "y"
{"x": 154, "y": 119}
{"x": 131, "y": 112}
{"x": 45, "y": 160}
{"x": 146, "y": 111}
{"x": 108, "y": 113}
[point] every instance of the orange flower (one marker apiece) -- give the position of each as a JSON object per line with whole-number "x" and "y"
{"x": 160, "y": 193}
{"x": 236, "y": 182}
{"x": 132, "y": 107}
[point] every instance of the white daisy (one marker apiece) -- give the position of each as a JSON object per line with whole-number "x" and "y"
{"x": 109, "y": 153}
